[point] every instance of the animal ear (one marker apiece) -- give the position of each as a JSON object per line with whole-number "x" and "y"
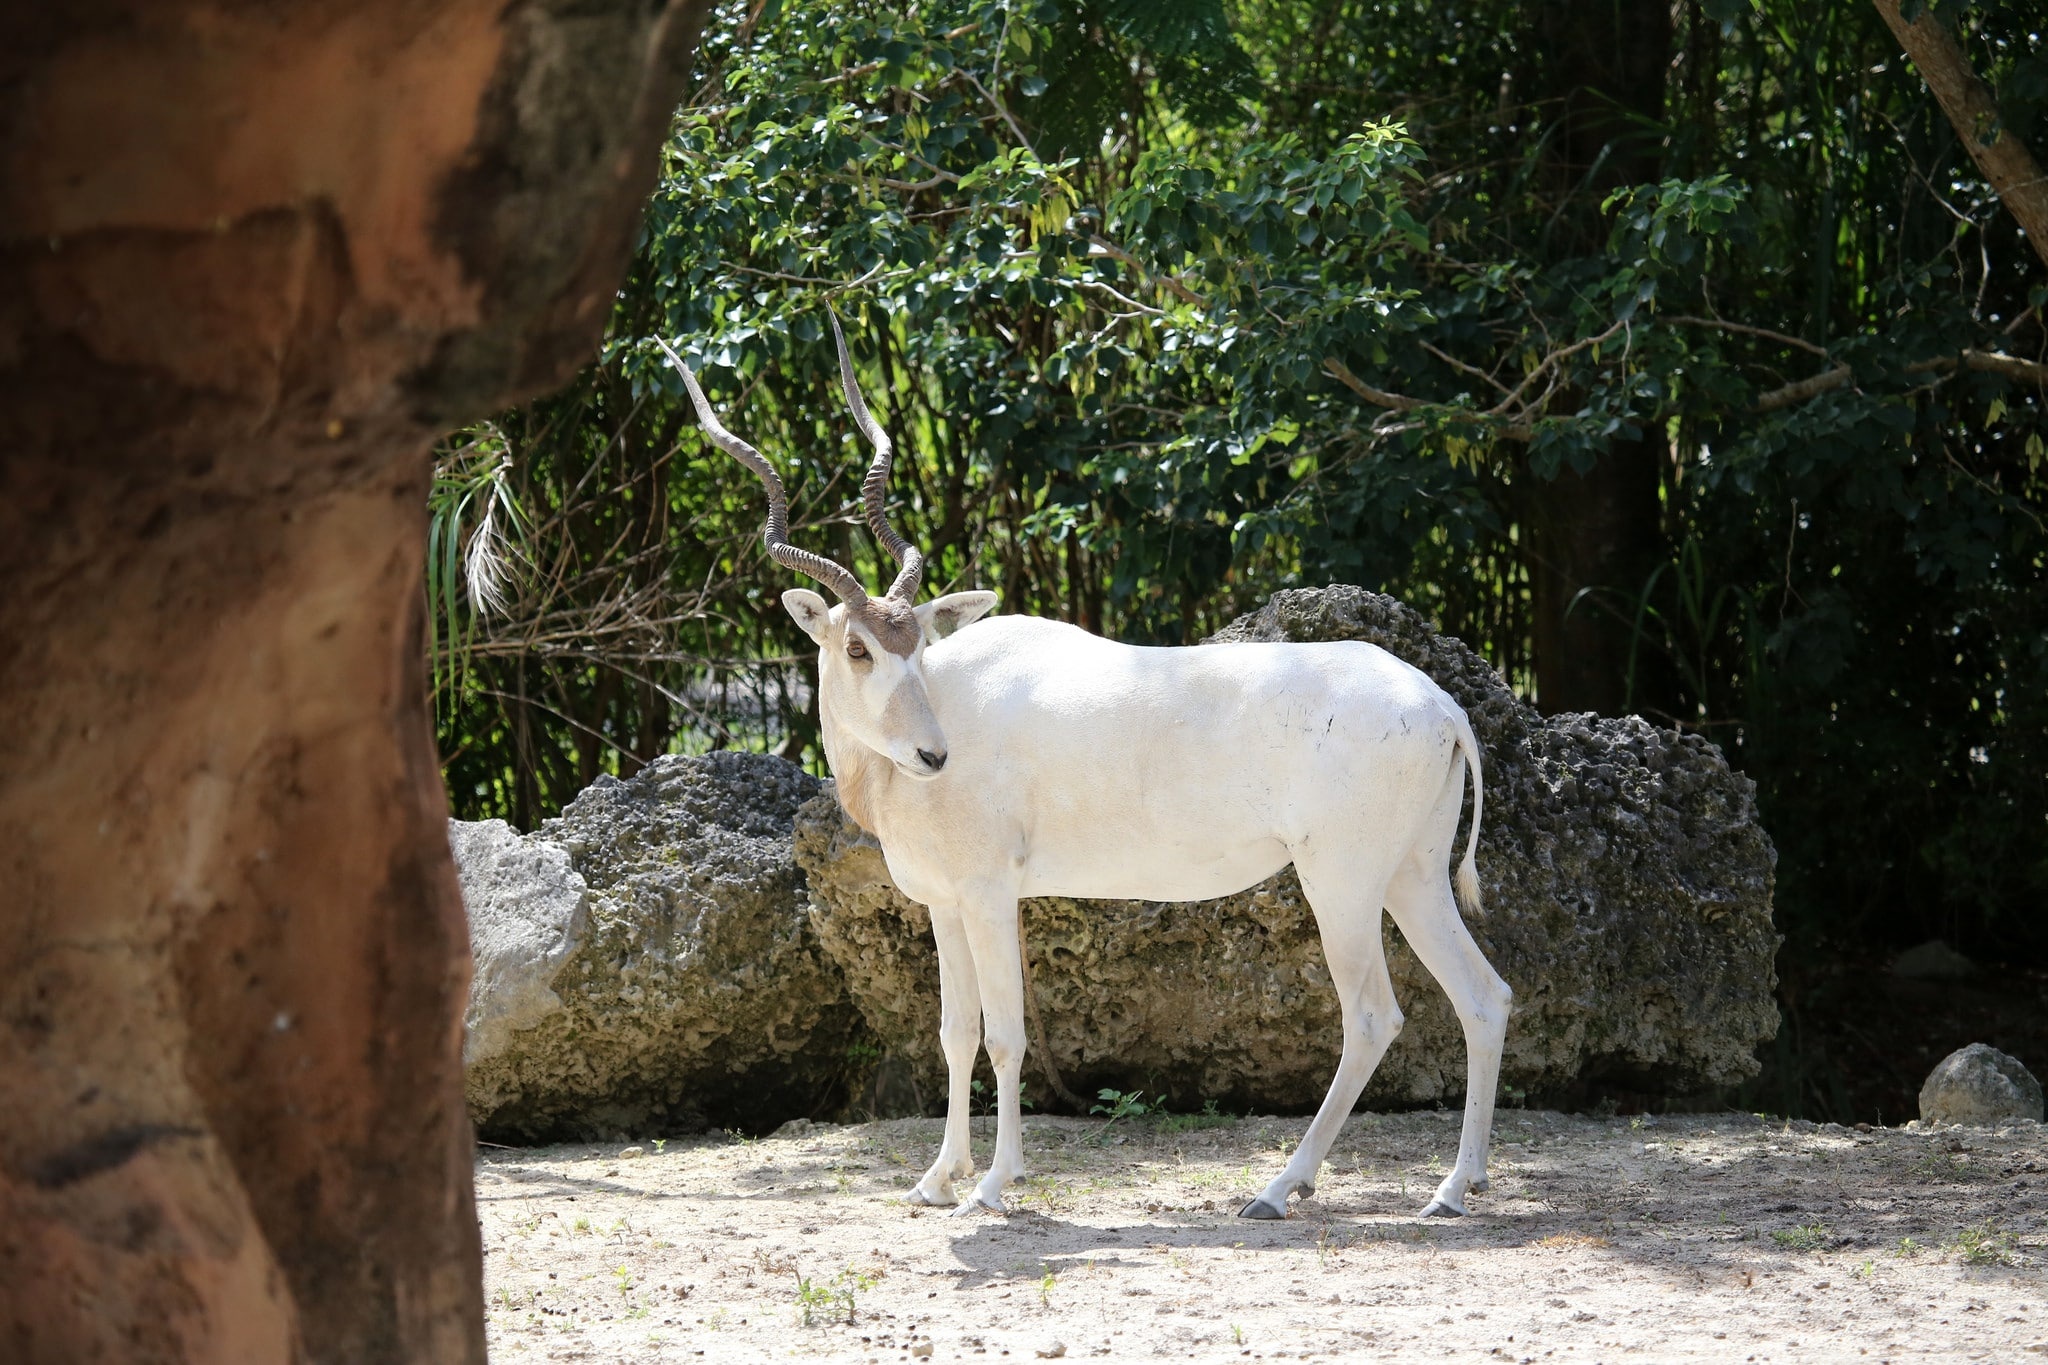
{"x": 942, "y": 616}
{"x": 810, "y": 612}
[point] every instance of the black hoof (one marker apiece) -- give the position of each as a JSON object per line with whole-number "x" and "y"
{"x": 1259, "y": 1208}
{"x": 1439, "y": 1209}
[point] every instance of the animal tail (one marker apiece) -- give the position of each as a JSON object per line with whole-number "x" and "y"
{"x": 1467, "y": 880}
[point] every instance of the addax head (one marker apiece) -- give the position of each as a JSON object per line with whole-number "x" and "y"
{"x": 871, "y": 669}
{"x": 870, "y": 649}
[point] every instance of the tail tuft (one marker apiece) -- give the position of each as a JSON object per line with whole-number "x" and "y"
{"x": 1467, "y": 883}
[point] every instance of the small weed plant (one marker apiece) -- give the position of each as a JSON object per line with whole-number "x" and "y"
{"x": 834, "y": 1302}
{"x": 1808, "y": 1237}
{"x": 1984, "y": 1245}
{"x": 1182, "y": 1123}
{"x": 1117, "y": 1104}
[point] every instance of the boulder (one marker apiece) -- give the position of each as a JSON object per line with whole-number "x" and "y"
{"x": 1628, "y": 892}
{"x": 1979, "y": 1084}
{"x": 1933, "y": 960}
{"x": 528, "y": 909}
{"x": 645, "y": 963}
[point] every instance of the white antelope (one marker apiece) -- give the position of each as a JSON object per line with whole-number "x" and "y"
{"x": 1026, "y": 757}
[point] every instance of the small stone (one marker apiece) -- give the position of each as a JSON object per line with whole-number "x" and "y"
{"x": 1053, "y": 1352}
{"x": 1932, "y": 961}
{"x": 1980, "y": 1085}
{"x": 632, "y": 1152}
{"x": 922, "y": 1350}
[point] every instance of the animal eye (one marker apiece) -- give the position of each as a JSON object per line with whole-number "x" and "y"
{"x": 856, "y": 650}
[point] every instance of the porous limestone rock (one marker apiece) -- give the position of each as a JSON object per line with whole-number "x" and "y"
{"x": 1979, "y": 1084}
{"x": 691, "y": 992}
{"x": 527, "y": 911}
{"x": 1628, "y": 892}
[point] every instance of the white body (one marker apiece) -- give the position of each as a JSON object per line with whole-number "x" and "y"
{"x": 1042, "y": 760}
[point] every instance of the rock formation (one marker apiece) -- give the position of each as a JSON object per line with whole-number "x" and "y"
{"x": 528, "y": 909}
{"x": 1627, "y": 883}
{"x": 253, "y": 260}
{"x": 1979, "y": 1084}
{"x": 645, "y": 963}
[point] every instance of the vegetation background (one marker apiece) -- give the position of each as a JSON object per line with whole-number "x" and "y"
{"x": 1677, "y": 357}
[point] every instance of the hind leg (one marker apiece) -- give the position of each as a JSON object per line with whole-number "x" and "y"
{"x": 1346, "y": 899}
{"x": 1420, "y": 900}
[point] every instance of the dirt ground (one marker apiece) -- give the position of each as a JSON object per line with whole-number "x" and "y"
{"x": 1713, "y": 1237}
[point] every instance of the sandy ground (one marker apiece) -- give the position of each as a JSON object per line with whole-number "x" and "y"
{"x": 1715, "y": 1237}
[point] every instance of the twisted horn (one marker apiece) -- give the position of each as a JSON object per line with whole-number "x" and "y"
{"x": 874, "y": 489}
{"x": 775, "y": 535}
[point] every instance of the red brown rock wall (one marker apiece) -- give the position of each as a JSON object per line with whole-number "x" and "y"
{"x": 252, "y": 258}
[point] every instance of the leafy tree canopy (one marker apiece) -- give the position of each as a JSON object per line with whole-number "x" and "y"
{"x": 1688, "y": 348}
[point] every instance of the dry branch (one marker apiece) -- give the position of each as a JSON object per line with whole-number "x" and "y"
{"x": 1988, "y": 362}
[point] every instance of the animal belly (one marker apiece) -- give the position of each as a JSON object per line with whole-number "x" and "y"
{"x": 1162, "y": 870}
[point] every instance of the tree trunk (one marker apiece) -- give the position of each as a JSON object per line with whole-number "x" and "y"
{"x": 250, "y": 262}
{"x": 1601, "y": 73}
{"x": 2002, "y": 158}
{"x": 1598, "y": 531}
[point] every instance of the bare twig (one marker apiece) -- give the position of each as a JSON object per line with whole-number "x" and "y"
{"x": 1461, "y": 366}
{"x": 1783, "y": 339}
{"x": 1124, "y": 299}
{"x": 1519, "y": 430}
{"x": 1341, "y": 372}
{"x": 1549, "y": 363}
{"x": 1016, "y": 128}
{"x": 854, "y": 73}
{"x": 1099, "y": 245}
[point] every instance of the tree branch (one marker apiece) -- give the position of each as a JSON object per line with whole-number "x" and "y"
{"x": 1341, "y": 372}
{"x": 1399, "y": 402}
{"x": 1103, "y": 246}
{"x": 1987, "y": 362}
{"x": 2011, "y": 366}
{"x": 1799, "y": 390}
{"x": 2001, "y": 156}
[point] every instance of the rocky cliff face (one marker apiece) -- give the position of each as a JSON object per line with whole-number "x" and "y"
{"x": 1627, "y": 883}
{"x": 253, "y": 258}
{"x": 650, "y": 965}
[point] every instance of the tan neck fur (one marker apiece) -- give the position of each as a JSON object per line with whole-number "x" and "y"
{"x": 858, "y": 772}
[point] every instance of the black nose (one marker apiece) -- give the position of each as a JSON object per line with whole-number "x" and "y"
{"x": 932, "y": 760}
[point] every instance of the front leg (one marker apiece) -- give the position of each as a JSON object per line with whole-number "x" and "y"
{"x": 960, "y": 1038}
{"x": 991, "y": 924}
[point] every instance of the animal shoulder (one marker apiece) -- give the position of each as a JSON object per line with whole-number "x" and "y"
{"x": 1029, "y": 640}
